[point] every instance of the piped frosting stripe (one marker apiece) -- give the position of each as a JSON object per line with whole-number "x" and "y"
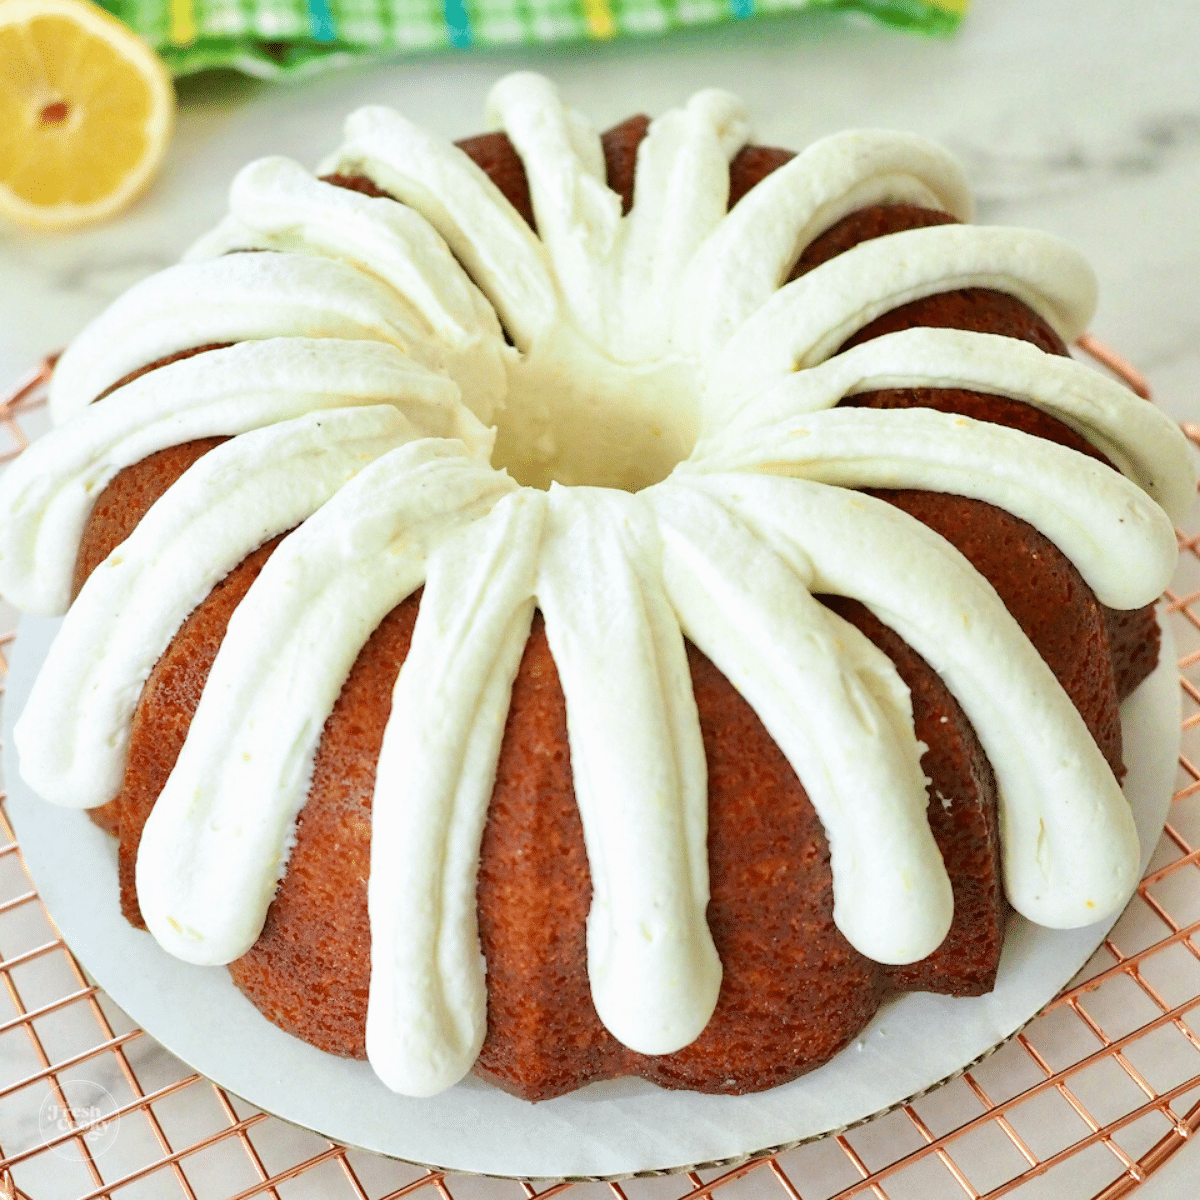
{"x": 806, "y": 321}
{"x": 748, "y": 256}
{"x": 1138, "y": 438}
{"x": 241, "y": 297}
{"x": 682, "y": 185}
{"x": 216, "y": 842}
{"x": 638, "y": 766}
{"x": 275, "y": 204}
{"x": 427, "y": 1014}
{"x": 483, "y": 230}
{"x": 578, "y": 217}
{"x": 48, "y": 493}
{"x": 833, "y": 703}
{"x": 619, "y": 275}
{"x": 1070, "y": 849}
{"x": 74, "y": 732}
{"x": 1119, "y": 539}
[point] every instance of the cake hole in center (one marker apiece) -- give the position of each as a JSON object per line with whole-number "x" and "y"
{"x": 576, "y": 417}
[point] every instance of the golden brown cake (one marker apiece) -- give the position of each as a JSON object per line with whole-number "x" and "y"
{"x": 958, "y": 462}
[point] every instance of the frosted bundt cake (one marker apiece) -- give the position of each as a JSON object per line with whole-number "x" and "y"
{"x": 569, "y": 605}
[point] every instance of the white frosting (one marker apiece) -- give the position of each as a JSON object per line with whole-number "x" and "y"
{"x": 276, "y": 205}
{"x": 579, "y": 218}
{"x": 484, "y": 232}
{"x": 1121, "y": 541}
{"x": 216, "y": 843}
{"x": 745, "y": 260}
{"x": 48, "y": 493}
{"x": 619, "y": 275}
{"x": 1140, "y": 439}
{"x": 227, "y": 504}
{"x": 806, "y": 321}
{"x": 427, "y": 1014}
{"x": 638, "y": 767}
{"x": 681, "y": 196}
{"x": 836, "y": 708}
{"x": 655, "y": 351}
{"x": 241, "y": 297}
{"x": 1070, "y": 849}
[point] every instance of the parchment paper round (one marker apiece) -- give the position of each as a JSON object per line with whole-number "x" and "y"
{"x": 613, "y": 1129}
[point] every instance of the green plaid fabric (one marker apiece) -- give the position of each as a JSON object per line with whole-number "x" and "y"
{"x": 270, "y": 38}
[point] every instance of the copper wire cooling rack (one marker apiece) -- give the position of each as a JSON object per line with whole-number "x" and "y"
{"x": 1091, "y": 1098}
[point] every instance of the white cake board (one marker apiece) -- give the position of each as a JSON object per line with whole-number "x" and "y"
{"x": 613, "y": 1129}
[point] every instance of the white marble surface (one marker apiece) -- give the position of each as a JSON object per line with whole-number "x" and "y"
{"x": 1080, "y": 117}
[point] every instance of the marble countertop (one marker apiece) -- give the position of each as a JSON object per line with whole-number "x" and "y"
{"x": 1080, "y": 117}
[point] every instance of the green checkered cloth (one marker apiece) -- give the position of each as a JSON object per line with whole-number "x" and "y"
{"x": 271, "y": 38}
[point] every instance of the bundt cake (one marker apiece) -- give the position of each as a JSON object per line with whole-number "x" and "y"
{"x": 572, "y": 605}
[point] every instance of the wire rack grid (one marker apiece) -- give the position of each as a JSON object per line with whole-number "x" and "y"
{"x": 1087, "y": 1101}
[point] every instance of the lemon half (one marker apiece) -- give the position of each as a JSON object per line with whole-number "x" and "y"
{"x": 86, "y": 110}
